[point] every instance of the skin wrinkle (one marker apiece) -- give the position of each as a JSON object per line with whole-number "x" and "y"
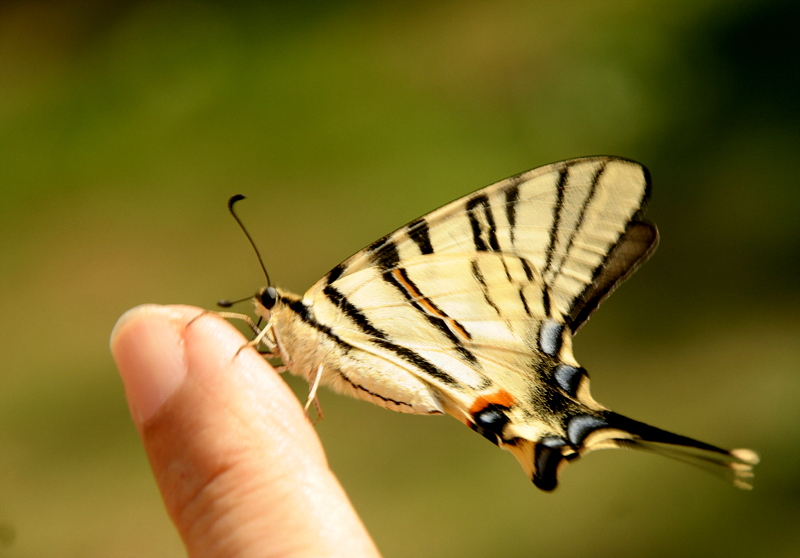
{"x": 220, "y": 526}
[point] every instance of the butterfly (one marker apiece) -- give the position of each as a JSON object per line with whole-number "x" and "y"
{"x": 471, "y": 309}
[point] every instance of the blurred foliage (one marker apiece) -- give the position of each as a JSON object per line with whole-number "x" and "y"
{"x": 124, "y": 127}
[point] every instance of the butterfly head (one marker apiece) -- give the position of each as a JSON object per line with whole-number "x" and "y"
{"x": 267, "y": 297}
{"x": 267, "y": 302}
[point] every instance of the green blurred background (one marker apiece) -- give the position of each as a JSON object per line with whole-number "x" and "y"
{"x": 125, "y": 126}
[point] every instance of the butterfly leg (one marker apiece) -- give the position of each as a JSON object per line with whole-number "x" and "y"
{"x": 318, "y": 409}
{"x": 236, "y": 316}
{"x": 259, "y": 333}
{"x": 257, "y": 340}
{"x": 312, "y": 396}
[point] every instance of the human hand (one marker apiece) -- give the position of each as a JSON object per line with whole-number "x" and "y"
{"x": 239, "y": 466}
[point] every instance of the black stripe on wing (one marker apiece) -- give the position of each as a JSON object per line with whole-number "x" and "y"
{"x": 557, "y": 207}
{"x": 512, "y": 199}
{"x": 419, "y": 233}
{"x": 478, "y": 274}
{"x": 451, "y": 328}
{"x": 384, "y": 253}
{"x": 581, "y": 214}
{"x": 481, "y": 219}
{"x": 304, "y": 313}
{"x": 372, "y": 393}
{"x": 379, "y": 337}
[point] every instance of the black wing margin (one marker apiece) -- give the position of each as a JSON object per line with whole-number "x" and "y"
{"x": 633, "y": 248}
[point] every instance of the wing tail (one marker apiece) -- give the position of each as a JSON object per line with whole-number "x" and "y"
{"x": 543, "y": 459}
{"x": 734, "y": 465}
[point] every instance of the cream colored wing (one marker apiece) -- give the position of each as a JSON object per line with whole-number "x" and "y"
{"x": 462, "y": 324}
{"x": 475, "y": 305}
{"x": 573, "y": 223}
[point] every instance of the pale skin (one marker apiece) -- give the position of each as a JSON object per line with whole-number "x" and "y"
{"x": 237, "y": 461}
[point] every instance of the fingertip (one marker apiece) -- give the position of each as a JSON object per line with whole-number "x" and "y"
{"x": 148, "y": 347}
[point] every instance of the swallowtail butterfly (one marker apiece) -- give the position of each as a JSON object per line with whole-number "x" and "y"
{"x": 471, "y": 310}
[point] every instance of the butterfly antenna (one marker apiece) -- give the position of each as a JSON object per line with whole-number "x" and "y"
{"x": 225, "y": 303}
{"x": 232, "y": 201}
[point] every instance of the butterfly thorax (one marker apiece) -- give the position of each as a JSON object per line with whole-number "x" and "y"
{"x": 293, "y": 333}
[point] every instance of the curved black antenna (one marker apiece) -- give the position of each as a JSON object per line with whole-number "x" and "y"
{"x": 232, "y": 201}
{"x": 225, "y": 303}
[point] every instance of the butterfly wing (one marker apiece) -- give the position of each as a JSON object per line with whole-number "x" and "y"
{"x": 475, "y": 305}
{"x": 468, "y": 326}
{"x": 574, "y": 223}
{"x": 474, "y": 297}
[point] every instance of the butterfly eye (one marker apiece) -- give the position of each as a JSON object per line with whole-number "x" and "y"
{"x": 268, "y": 297}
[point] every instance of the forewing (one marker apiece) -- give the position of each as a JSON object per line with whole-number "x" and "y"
{"x": 564, "y": 220}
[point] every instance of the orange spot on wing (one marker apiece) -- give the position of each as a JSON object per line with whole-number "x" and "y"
{"x": 500, "y": 397}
